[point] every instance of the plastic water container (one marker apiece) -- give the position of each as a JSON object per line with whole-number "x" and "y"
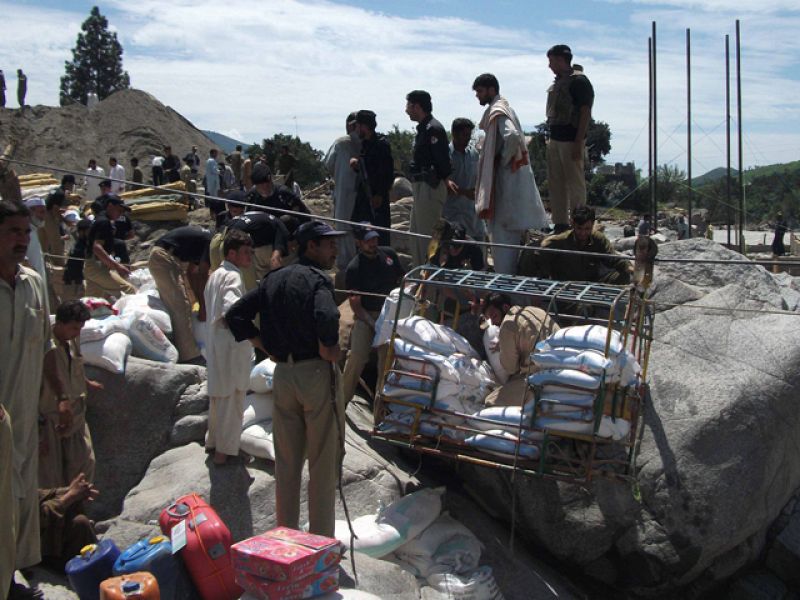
{"x": 91, "y": 567}
{"x": 154, "y": 555}
{"x": 134, "y": 586}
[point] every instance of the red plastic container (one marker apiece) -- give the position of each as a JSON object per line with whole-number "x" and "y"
{"x": 134, "y": 586}
{"x": 207, "y": 554}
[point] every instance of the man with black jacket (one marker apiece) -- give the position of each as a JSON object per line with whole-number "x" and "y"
{"x": 375, "y": 168}
{"x": 300, "y": 332}
{"x": 430, "y": 168}
{"x": 266, "y": 194}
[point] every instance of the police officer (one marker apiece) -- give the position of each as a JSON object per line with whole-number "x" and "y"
{"x": 265, "y": 193}
{"x": 374, "y": 270}
{"x": 300, "y": 332}
{"x": 430, "y": 168}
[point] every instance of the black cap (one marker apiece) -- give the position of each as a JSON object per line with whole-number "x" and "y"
{"x": 261, "y": 173}
{"x": 366, "y": 117}
{"x": 365, "y": 231}
{"x": 313, "y": 230}
{"x": 106, "y": 183}
{"x": 114, "y": 200}
{"x": 84, "y": 224}
{"x": 236, "y": 196}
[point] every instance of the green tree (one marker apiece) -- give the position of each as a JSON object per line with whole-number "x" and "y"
{"x": 402, "y": 143}
{"x": 309, "y": 171}
{"x": 96, "y": 64}
{"x": 598, "y": 142}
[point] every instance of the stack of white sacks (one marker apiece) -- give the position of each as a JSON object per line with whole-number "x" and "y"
{"x": 461, "y": 380}
{"x": 256, "y": 438}
{"x": 414, "y": 533}
{"x": 571, "y": 367}
{"x": 137, "y": 325}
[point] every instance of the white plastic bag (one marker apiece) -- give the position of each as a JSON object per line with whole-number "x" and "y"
{"x": 99, "y": 329}
{"x": 257, "y": 408}
{"x": 385, "y": 321}
{"x": 432, "y": 336}
{"x": 150, "y": 342}
{"x": 135, "y": 305}
{"x": 261, "y": 377}
{"x": 491, "y": 338}
{"x": 110, "y": 354}
{"x": 256, "y": 440}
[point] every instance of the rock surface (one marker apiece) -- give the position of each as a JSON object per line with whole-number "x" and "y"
{"x": 718, "y": 455}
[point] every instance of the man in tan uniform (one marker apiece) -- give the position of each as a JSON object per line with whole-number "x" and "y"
{"x": 520, "y": 328}
{"x": 65, "y": 445}
{"x": 53, "y": 243}
{"x": 25, "y": 331}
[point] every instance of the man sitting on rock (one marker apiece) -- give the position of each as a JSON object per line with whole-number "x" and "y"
{"x": 228, "y": 362}
{"x": 177, "y": 256}
{"x": 578, "y": 267}
{"x": 65, "y": 444}
{"x": 520, "y": 328}
{"x": 64, "y": 529}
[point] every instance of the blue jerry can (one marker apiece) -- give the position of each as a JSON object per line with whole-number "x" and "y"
{"x": 154, "y": 555}
{"x": 91, "y": 567}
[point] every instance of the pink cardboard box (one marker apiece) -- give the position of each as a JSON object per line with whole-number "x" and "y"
{"x": 284, "y": 554}
{"x": 315, "y": 584}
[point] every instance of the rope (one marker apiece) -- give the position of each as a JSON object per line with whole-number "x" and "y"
{"x": 423, "y": 236}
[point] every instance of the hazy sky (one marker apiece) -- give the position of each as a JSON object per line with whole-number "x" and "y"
{"x": 251, "y": 68}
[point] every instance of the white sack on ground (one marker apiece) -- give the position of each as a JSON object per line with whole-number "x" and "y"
{"x": 136, "y": 305}
{"x": 478, "y": 585}
{"x": 99, "y": 329}
{"x": 257, "y": 408}
{"x": 432, "y": 336}
{"x": 592, "y": 337}
{"x": 447, "y": 546}
{"x": 98, "y": 307}
{"x": 395, "y": 524}
{"x": 385, "y": 321}
{"x": 256, "y": 440}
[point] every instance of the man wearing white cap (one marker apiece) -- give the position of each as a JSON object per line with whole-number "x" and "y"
{"x": 35, "y": 257}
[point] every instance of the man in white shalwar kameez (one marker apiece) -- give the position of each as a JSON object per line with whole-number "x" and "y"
{"x": 337, "y": 161}
{"x": 506, "y": 195}
{"x": 25, "y": 331}
{"x": 228, "y": 362}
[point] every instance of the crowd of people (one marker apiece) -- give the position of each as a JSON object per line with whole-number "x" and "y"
{"x": 261, "y": 278}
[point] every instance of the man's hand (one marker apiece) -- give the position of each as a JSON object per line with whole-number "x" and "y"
{"x": 79, "y": 490}
{"x": 452, "y": 188}
{"x": 94, "y": 385}
{"x": 256, "y": 343}
{"x": 64, "y": 415}
{"x": 354, "y": 164}
{"x": 122, "y": 270}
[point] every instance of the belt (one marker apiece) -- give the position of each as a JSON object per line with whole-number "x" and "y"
{"x": 300, "y": 357}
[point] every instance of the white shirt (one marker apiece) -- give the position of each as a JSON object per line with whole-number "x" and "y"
{"x": 117, "y": 176}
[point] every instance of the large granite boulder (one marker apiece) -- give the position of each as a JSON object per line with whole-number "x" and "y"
{"x": 718, "y": 455}
{"x": 131, "y": 420}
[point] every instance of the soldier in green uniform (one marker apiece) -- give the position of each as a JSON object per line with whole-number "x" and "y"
{"x": 577, "y": 267}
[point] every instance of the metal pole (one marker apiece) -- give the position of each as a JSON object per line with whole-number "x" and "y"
{"x": 655, "y": 133}
{"x": 650, "y": 188}
{"x": 689, "y": 122}
{"x": 728, "y": 134}
{"x": 742, "y": 245}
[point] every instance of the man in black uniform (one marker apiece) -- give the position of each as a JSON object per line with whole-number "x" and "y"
{"x": 376, "y": 270}
{"x": 430, "y": 168}
{"x": 98, "y": 205}
{"x": 300, "y": 332}
{"x": 105, "y": 276}
{"x": 172, "y": 165}
{"x": 183, "y": 252}
{"x": 375, "y": 168}
{"x": 269, "y": 237}
{"x": 265, "y": 193}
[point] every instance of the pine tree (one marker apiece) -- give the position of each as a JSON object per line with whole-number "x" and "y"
{"x": 96, "y": 64}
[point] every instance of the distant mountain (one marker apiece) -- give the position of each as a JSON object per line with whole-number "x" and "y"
{"x": 225, "y": 143}
{"x": 709, "y": 177}
{"x": 749, "y": 174}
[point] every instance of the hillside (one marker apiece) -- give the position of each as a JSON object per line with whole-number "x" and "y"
{"x": 129, "y": 123}
{"x": 749, "y": 174}
{"x": 223, "y": 142}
